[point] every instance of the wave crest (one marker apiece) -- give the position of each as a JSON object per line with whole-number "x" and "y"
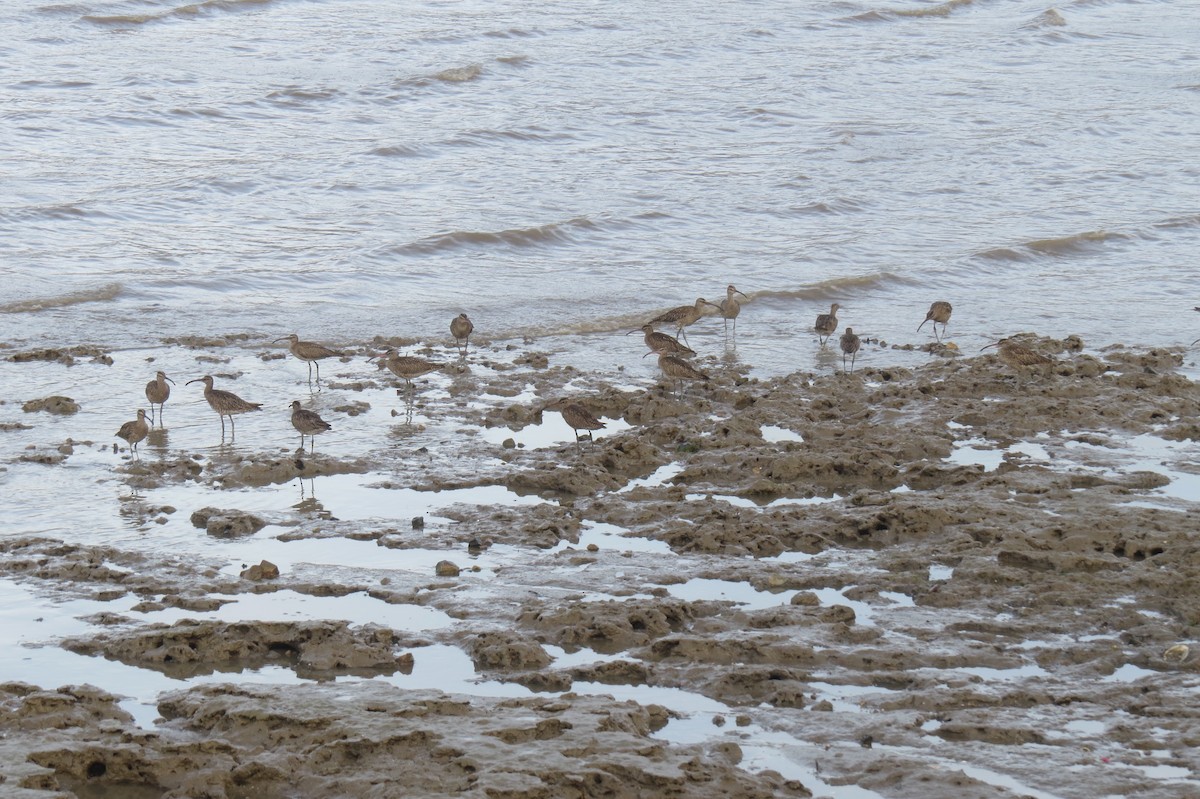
{"x": 940, "y": 10}
{"x": 109, "y": 291}
{"x": 181, "y": 12}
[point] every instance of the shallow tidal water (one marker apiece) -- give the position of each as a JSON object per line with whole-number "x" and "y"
{"x": 345, "y": 171}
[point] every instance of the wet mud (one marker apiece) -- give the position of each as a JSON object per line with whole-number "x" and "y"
{"x": 943, "y": 580}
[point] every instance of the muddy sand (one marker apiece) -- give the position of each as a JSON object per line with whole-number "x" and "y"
{"x": 940, "y": 581}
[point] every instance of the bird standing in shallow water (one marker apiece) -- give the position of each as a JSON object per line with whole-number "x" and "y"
{"x": 675, "y": 368}
{"x": 157, "y": 391}
{"x": 827, "y": 323}
{"x": 309, "y": 423}
{"x": 850, "y": 346}
{"x": 133, "y": 432}
{"x": 406, "y": 367}
{"x": 938, "y": 312}
{"x": 681, "y": 316}
{"x": 729, "y": 308}
{"x": 1018, "y": 357}
{"x": 310, "y": 352}
{"x": 460, "y": 328}
{"x": 225, "y": 403}
{"x": 576, "y": 416}
{"x": 661, "y": 342}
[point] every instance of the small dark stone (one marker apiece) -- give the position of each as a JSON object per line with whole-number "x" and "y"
{"x": 418, "y": 523}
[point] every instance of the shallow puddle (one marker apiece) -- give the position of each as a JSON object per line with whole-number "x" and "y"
{"x": 773, "y": 434}
{"x": 743, "y": 502}
{"x": 611, "y": 537}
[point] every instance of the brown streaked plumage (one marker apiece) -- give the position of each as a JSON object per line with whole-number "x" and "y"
{"x": 682, "y": 316}
{"x": 729, "y": 308}
{"x": 461, "y": 328}
{"x": 1018, "y": 357}
{"x": 827, "y": 323}
{"x": 133, "y": 432}
{"x": 406, "y": 367}
{"x": 308, "y": 423}
{"x": 850, "y": 346}
{"x": 675, "y": 368}
{"x": 662, "y": 342}
{"x": 576, "y": 416}
{"x": 939, "y": 312}
{"x": 225, "y": 403}
{"x": 157, "y": 392}
{"x": 310, "y": 352}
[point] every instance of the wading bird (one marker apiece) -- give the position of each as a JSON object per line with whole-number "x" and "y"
{"x": 157, "y": 392}
{"x": 225, "y": 403}
{"x": 939, "y": 312}
{"x": 133, "y": 432}
{"x": 310, "y": 352}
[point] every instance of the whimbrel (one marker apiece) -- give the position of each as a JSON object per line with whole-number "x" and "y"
{"x": 850, "y": 346}
{"x": 729, "y": 307}
{"x": 406, "y": 367}
{"x": 308, "y": 423}
{"x": 133, "y": 432}
{"x": 1018, "y": 357}
{"x": 225, "y": 403}
{"x": 662, "y": 342}
{"x": 460, "y": 328}
{"x": 827, "y": 323}
{"x": 576, "y": 416}
{"x": 310, "y": 352}
{"x": 157, "y": 391}
{"x": 677, "y": 369}
{"x": 681, "y": 316}
{"x": 938, "y": 312}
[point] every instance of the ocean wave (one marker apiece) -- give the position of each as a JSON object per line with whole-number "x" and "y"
{"x": 189, "y": 11}
{"x": 451, "y": 75}
{"x": 1075, "y": 244}
{"x": 939, "y": 10}
{"x": 57, "y": 211}
{"x": 840, "y": 290}
{"x": 459, "y": 74}
{"x": 398, "y": 151}
{"x": 527, "y": 134}
{"x": 296, "y": 96}
{"x": 1050, "y": 18}
{"x": 553, "y": 233}
{"x": 868, "y": 16}
{"x": 108, "y": 291}
{"x": 1186, "y": 221}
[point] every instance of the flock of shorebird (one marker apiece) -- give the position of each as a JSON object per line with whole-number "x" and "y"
{"x": 671, "y": 352}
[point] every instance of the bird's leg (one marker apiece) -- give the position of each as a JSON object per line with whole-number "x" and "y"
{"x": 318, "y": 365}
